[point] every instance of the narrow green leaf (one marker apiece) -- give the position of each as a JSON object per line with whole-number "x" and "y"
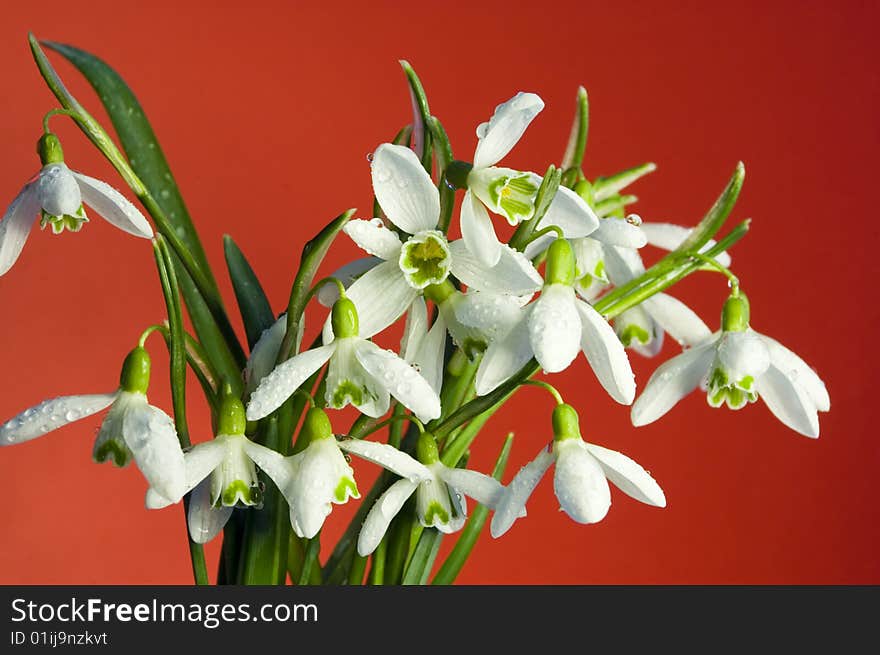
{"x": 312, "y": 255}
{"x": 443, "y": 149}
{"x": 310, "y": 560}
{"x": 717, "y": 214}
{"x": 456, "y": 559}
{"x": 605, "y": 187}
{"x": 419, "y": 568}
{"x": 577, "y": 140}
{"x": 256, "y": 312}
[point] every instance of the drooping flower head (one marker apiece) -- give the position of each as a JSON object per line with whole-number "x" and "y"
{"x": 57, "y": 195}
{"x": 580, "y": 481}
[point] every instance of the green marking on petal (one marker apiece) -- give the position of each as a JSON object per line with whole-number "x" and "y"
{"x": 425, "y": 260}
{"x": 473, "y": 347}
{"x": 112, "y": 449}
{"x": 634, "y": 332}
{"x": 66, "y": 222}
{"x": 238, "y": 491}
{"x": 346, "y": 487}
{"x": 435, "y": 509}
{"x": 347, "y": 391}
{"x": 514, "y": 197}
{"x": 599, "y": 271}
{"x": 735, "y": 394}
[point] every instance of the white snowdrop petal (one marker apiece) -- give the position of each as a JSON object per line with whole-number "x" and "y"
{"x": 400, "y": 379}
{"x": 484, "y": 489}
{"x": 286, "y": 378}
{"x": 265, "y": 353}
{"x": 58, "y": 190}
{"x": 404, "y": 189}
{"x": 430, "y": 356}
{"x": 798, "y": 371}
{"x": 112, "y": 206}
{"x": 415, "y": 329}
{"x": 504, "y": 357}
{"x": 513, "y": 501}
{"x": 572, "y": 214}
{"x": 505, "y": 128}
{"x": 671, "y": 382}
{"x": 606, "y": 355}
{"x": 579, "y": 483}
{"x": 50, "y": 415}
{"x": 281, "y": 470}
{"x": 491, "y": 313}
{"x": 628, "y": 476}
{"x": 381, "y": 514}
{"x": 789, "y": 402}
{"x": 203, "y": 519}
{"x": 347, "y": 274}
{"x": 322, "y": 468}
{"x": 16, "y": 225}
{"x": 514, "y": 274}
{"x": 477, "y": 231}
{"x": 555, "y": 328}
{"x": 742, "y": 354}
{"x": 622, "y": 264}
{"x": 388, "y": 457}
{"x": 150, "y": 435}
{"x": 679, "y": 320}
{"x": 619, "y": 232}
{"x": 374, "y": 237}
{"x": 381, "y": 296}
{"x": 198, "y": 463}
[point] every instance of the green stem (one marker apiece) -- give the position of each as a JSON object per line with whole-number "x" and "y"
{"x": 310, "y": 559}
{"x": 178, "y": 380}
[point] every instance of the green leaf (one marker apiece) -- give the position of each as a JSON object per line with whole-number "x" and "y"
{"x": 266, "y": 531}
{"x": 605, "y": 187}
{"x": 256, "y": 312}
{"x": 577, "y": 140}
{"x": 717, "y": 214}
{"x": 419, "y": 568}
{"x": 456, "y": 559}
{"x": 312, "y": 255}
{"x": 421, "y": 116}
{"x": 444, "y": 157}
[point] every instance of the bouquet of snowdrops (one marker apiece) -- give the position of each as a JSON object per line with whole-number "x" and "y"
{"x": 484, "y": 317}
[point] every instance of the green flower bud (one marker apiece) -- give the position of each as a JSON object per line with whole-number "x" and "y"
{"x": 49, "y": 149}
{"x": 735, "y": 315}
{"x": 561, "y": 263}
{"x": 135, "y": 376}
{"x": 566, "y": 424}
{"x": 585, "y": 190}
{"x": 344, "y": 319}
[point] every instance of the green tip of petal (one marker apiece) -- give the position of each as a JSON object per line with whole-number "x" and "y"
{"x": 345, "y": 489}
{"x": 436, "y": 513}
{"x": 112, "y": 450}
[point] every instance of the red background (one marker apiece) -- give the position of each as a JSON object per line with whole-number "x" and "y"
{"x": 266, "y": 112}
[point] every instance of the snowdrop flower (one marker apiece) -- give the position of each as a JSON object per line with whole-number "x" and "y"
{"x": 220, "y": 473}
{"x": 57, "y": 195}
{"x": 737, "y": 366}
{"x": 553, "y": 329}
{"x": 360, "y": 373}
{"x": 132, "y": 428}
{"x": 580, "y": 480}
{"x": 318, "y": 475}
{"x": 642, "y": 327}
{"x": 440, "y": 501}
{"x": 411, "y": 201}
{"x": 508, "y": 192}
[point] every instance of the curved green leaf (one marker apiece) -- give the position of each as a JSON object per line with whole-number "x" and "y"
{"x": 256, "y": 312}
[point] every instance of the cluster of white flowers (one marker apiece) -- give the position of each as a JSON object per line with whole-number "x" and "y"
{"x": 497, "y": 307}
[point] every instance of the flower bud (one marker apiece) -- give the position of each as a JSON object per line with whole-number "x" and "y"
{"x": 561, "y": 263}
{"x": 316, "y": 426}
{"x": 49, "y": 149}
{"x": 135, "y": 376}
{"x": 231, "y": 416}
{"x": 566, "y": 424}
{"x": 426, "y": 449}
{"x": 735, "y": 315}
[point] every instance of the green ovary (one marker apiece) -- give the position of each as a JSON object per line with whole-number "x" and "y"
{"x": 514, "y": 197}
{"x": 73, "y": 223}
{"x": 425, "y": 260}
{"x": 735, "y": 394}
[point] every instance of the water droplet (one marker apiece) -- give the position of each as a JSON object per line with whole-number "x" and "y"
{"x": 370, "y": 157}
